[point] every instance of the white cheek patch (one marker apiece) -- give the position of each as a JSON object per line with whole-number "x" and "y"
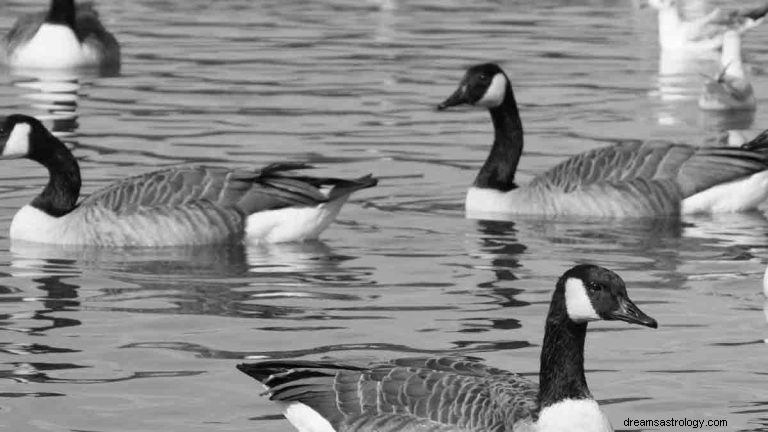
{"x": 17, "y": 145}
{"x": 494, "y": 96}
{"x": 577, "y": 302}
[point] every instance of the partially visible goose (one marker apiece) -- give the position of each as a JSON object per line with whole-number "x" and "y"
{"x": 628, "y": 179}
{"x": 765, "y": 293}
{"x": 448, "y": 394}
{"x": 64, "y": 37}
{"x": 175, "y": 206}
{"x": 730, "y": 89}
{"x": 705, "y": 33}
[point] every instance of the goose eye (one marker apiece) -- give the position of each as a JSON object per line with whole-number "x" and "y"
{"x": 594, "y": 287}
{"x": 483, "y": 77}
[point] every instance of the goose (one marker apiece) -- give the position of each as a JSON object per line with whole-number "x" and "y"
{"x": 730, "y": 89}
{"x": 629, "y": 179}
{"x": 702, "y": 34}
{"x": 184, "y": 205}
{"x": 64, "y": 37}
{"x": 455, "y": 394}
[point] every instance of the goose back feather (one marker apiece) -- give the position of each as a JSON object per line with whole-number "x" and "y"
{"x": 691, "y": 169}
{"x": 430, "y": 394}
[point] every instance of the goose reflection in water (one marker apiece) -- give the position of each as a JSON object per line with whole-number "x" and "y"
{"x": 765, "y": 294}
{"x": 53, "y": 98}
{"x": 214, "y": 280}
{"x": 225, "y": 260}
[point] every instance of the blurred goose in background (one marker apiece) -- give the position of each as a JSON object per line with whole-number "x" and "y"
{"x": 188, "y": 205}
{"x": 627, "y": 179}
{"x": 704, "y": 33}
{"x": 730, "y": 89}
{"x": 765, "y": 293}
{"x": 450, "y": 394}
{"x": 64, "y": 37}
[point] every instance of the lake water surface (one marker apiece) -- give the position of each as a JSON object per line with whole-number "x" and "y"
{"x": 142, "y": 340}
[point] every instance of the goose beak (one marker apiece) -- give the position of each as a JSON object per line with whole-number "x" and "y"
{"x": 459, "y": 97}
{"x": 629, "y": 312}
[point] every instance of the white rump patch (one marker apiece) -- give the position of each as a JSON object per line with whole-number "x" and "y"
{"x": 53, "y": 46}
{"x": 292, "y": 223}
{"x": 732, "y": 197}
{"x": 305, "y": 419}
{"x": 577, "y": 302}
{"x": 573, "y": 415}
{"x": 495, "y": 93}
{"x": 17, "y": 145}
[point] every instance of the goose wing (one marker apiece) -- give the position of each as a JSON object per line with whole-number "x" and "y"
{"x": 247, "y": 191}
{"x": 90, "y": 31}
{"x": 23, "y": 30}
{"x": 691, "y": 169}
{"x": 434, "y": 394}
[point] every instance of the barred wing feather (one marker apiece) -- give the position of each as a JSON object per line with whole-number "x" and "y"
{"x": 247, "y": 191}
{"x": 436, "y": 394}
{"x": 691, "y": 169}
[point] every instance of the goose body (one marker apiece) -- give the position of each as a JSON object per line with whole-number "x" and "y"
{"x": 459, "y": 395}
{"x": 185, "y": 205}
{"x": 64, "y": 37}
{"x": 730, "y": 89}
{"x": 702, "y": 34}
{"x": 629, "y": 179}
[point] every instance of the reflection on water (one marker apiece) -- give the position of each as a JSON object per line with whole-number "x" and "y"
{"x": 53, "y": 98}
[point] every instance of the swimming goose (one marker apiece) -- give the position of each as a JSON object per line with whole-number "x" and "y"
{"x": 64, "y": 37}
{"x": 628, "y": 179}
{"x": 730, "y": 89}
{"x": 450, "y": 394}
{"x": 187, "y": 205}
{"x": 705, "y": 33}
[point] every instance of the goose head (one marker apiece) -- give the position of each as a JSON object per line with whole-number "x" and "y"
{"x": 20, "y": 137}
{"x": 484, "y": 85}
{"x": 594, "y": 293}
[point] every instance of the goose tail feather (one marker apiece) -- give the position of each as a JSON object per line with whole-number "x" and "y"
{"x": 758, "y": 144}
{"x": 346, "y": 187}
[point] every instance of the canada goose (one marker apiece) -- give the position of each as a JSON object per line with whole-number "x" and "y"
{"x": 730, "y": 89}
{"x": 64, "y": 37}
{"x": 176, "y": 206}
{"x": 705, "y": 33}
{"x": 448, "y": 394}
{"x": 627, "y": 179}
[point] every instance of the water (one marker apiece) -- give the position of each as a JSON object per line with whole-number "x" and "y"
{"x": 148, "y": 340}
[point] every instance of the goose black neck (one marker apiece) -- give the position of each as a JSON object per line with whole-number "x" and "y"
{"x": 60, "y": 194}
{"x": 498, "y": 171}
{"x": 562, "y": 355}
{"x": 62, "y": 12}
